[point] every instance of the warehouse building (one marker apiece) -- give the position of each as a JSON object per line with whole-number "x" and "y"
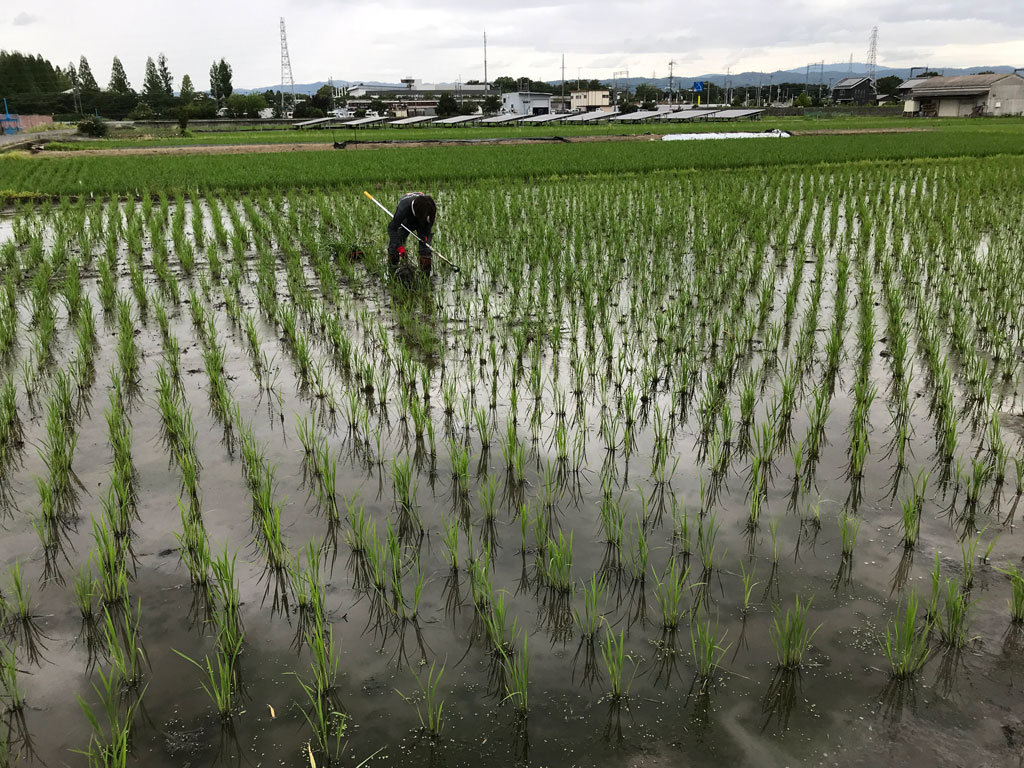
{"x": 967, "y": 96}
{"x": 526, "y": 103}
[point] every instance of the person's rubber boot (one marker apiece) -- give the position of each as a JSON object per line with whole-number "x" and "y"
{"x": 425, "y": 265}
{"x": 395, "y": 261}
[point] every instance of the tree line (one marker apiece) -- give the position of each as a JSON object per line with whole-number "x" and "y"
{"x": 33, "y": 85}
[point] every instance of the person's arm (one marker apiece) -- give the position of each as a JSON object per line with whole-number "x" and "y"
{"x": 401, "y": 217}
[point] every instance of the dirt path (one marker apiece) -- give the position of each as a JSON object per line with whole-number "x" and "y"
{"x": 243, "y": 149}
{"x": 239, "y": 149}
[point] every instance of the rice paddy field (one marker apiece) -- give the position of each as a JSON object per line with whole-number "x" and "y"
{"x": 701, "y": 468}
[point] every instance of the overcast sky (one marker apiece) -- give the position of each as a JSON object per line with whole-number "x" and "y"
{"x": 442, "y": 40}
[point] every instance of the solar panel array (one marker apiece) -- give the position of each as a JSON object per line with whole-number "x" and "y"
{"x": 735, "y": 114}
{"x": 457, "y": 120}
{"x": 497, "y": 119}
{"x": 412, "y": 120}
{"x": 315, "y": 121}
{"x": 549, "y": 118}
{"x": 588, "y": 117}
{"x": 362, "y": 121}
{"x": 636, "y": 116}
{"x": 689, "y": 114}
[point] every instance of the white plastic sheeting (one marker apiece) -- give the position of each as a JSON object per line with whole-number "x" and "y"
{"x": 725, "y": 135}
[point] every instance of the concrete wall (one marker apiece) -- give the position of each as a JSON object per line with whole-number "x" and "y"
{"x": 28, "y": 122}
{"x": 1006, "y": 98}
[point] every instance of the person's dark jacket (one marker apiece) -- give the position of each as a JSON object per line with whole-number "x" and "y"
{"x": 405, "y": 215}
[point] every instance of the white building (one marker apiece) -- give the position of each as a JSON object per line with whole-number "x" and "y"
{"x": 590, "y": 101}
{"x": 967, "y": 96}
{"x": 526, "y": 103}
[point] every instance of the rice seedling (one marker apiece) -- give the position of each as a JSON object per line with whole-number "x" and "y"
{"x": 708, "y": 650}
{"x": 613, "y": 651}
{"x": 558, "y": 566}
{"x": 110, "y": 724}
{"x": 517, "y": 678}
{"x": 905, "y": 642}
{"x": 669, "y": 593}
{"x": 748, "y": 585}
{"x": 848, "y": 528}
{"x": 218, "y": 682}
{"x": 430, "y": 707}
{"x": 1016, "y": 601}
{"x": 328, "y": 724}
{"x": 953, "y": 622}
{"x": 791, "y": 635}
{"x": 10, "y": 691}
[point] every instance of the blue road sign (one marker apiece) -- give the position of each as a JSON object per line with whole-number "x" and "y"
{"x": 698, "y": 86}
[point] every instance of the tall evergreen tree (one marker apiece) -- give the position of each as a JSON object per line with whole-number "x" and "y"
{"x": 166, "y": 79}
{"x": 152, "y": 87}
{"x": 215, "y": 82}
{"x": 188, "y": 91}
{"x": 85, "y": 77}
{"x": 118, "y": 79}
{"x": 220, "y": 80}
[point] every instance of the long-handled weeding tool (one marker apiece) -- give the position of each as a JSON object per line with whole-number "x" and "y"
{"x": 432, "y": 249}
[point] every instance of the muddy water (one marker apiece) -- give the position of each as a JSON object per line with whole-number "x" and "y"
{"x": 841, "y": 709}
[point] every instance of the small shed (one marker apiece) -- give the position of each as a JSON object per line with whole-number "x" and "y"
{"x": 968, "y": 96}
{"x": 525, "y": 103}
{"x": 588, "y": 101}
{"x": 854, "y": 90}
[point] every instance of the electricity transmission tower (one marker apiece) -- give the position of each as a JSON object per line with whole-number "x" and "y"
{"x": 873, "y": 53}
{"x": 671, "y": 81}
{"x": 287, "y": 81}
{"x": 624, "y": 73}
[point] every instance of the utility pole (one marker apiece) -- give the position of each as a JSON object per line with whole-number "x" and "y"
{"x": 486, "y": 82}
{"x": 563, "y": 81}
{"x": 671, "y": 81}
{"x": 615, "y": 84}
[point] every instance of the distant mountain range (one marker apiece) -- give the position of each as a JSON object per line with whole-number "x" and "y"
{"x": 829, "y": 73}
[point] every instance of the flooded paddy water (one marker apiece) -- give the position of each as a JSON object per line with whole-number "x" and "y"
{"x": 550, "y": 510}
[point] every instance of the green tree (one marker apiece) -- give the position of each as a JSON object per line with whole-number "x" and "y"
{"x": 306, "y": 111}
{"x": 322, "y": 98}
{"x": 504, "y": 84}
{"x": 886, "y": 86}
{"x": 118, "y": 79}
{"x": 803, "y": 100}
{"x": 246, "y": 104}
{"x": 492, "y": 104}
{"x": 447, "y": 106}
{"x": 166, "y": 79}
{"x": 85, "y": 77}
{"x": 220, "y": 80}
{"x": 648, "y": 94}
{"x": 152, "y": 87}
{"x": 188, "y": 91}
{"x": 224, "y": 74}
{"x": 377, "y": 105}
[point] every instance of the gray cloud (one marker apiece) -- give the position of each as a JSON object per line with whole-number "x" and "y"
{"x": 443, "y": 40}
